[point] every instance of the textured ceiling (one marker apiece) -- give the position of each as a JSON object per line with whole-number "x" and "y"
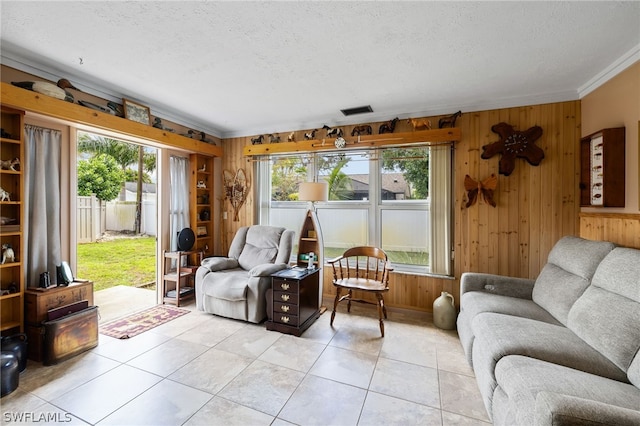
{"x": 243, "y": 68}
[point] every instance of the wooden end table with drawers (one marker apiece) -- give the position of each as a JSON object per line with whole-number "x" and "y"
{"x": 295, "y": 300}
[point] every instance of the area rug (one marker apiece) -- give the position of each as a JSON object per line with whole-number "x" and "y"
{"x": 134, "y": 324}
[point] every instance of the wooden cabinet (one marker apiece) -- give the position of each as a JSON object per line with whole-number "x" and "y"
{"x": 39, "y": 301}
{"x": 201, "y": 202}
{"x": 178, "y": 276}
{"x": 12, "y": 220}
{"x": 602, "y": 168}
{"x": 295, "y": 300}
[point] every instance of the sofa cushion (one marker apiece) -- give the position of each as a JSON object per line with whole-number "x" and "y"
{"x": 607, "y": 316}
{"x": 214, "y": 264}
{"x": 253, "y": 256}
{"x": 522, "y": 379}
{"x": 498, "y": 336}
{"x": 564, "y": 410}
{"x": 633, "y": 373}
{"x": 261, "y": 246}
{"x": 476, "y": 302}
{"x": 229, "y": 285}
{"x": 568, "y": 272}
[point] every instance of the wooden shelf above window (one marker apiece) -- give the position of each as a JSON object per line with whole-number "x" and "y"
{"x": 27, "y": 100}
{"x": 422, "y": 137}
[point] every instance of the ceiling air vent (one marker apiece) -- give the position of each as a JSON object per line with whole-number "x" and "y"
{"x": 357, "y": 110}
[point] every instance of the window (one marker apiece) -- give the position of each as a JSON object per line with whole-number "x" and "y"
{"x": 395, "y": 198}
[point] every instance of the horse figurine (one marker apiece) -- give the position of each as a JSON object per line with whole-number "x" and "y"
{"x": 310, "y": 135}
{"x": 4, "y": 195}
{"x": 449, "y": 121}
{"x": 274, "y": 138}
{"x": 365, "y": 129}
{"x": 10, "y": 164}
{"x": 388, "y": 126}
{"x": 291, "y": 137}
{"x": 333, "y": 132}
{"x": 8, "y": 254}
{"x": 257, "y": 140}
{"x": 420, "y": 123}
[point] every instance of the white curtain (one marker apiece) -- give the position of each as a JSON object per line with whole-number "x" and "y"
{"x": 440, "y": 185}
{"x": 179, "y": 199}
{"x": 42, "y": 204}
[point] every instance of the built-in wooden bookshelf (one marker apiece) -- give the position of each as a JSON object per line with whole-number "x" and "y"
{"x": 12, "y": 216}
{"x": 201, "y": 202}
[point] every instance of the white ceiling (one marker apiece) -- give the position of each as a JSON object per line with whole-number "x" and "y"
{"x": 245, "y": 68}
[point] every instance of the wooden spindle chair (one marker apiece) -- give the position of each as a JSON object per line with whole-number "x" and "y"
{"x": 363, "y": 269}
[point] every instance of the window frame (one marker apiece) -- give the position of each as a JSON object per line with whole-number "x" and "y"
{"x": 374, "y": 205}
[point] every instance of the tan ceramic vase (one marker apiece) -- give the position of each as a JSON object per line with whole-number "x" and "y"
{"x": 444, "y": 312}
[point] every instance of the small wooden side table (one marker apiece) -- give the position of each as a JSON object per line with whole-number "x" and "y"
{"x": 295, "y": 300}
{"x": 178, "y": 281}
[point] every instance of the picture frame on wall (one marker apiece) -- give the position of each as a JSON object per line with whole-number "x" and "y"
{"x": 136, "y": 112}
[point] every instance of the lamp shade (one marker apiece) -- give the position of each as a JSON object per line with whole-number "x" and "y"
{"x": 313, "y": 191}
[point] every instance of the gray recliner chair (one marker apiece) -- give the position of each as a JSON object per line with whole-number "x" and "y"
{"x": 235, "y": 286}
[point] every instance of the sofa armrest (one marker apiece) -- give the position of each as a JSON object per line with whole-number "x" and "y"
{"x": 496, "y": 284}
{"x": 266, "y": 269}
{"x": 214, "y": 264}
{"x": 559, "y": 410}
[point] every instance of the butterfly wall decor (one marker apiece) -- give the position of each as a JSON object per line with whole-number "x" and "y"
{"x": 236, "y": 189}
{"x": 485, "y": 188}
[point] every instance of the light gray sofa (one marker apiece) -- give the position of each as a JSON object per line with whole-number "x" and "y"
{"x": 564, "y": 348}
{"x": 235, "y": 286}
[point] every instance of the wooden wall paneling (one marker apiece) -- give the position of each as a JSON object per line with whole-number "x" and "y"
{"x": 631, "y": 231}
{"x": 406, "y": 291}
{"x": 513, "y": 217}
{"x": 232, "y": 162}
{"x": 517, "y": 186}
{"x": 486, "y": 215}
{"x": 620, "y": 228}
{"x": 614, "y": 230}
{"x": 536, "y": 205}
{"x": 533, "y": 208}
{"x": 486, "y": 168}
{"x": 570, "y": 178}
{"x": 463, "y": 164}
{"x": 551, "y": 174}
{"x": 546, "y": 182}
{"x": 524, "y": 205}
{"x": 502, "y": 261}
{"x": 557, "y": 152}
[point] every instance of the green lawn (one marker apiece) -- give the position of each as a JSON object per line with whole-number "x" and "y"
{"x": 132, "y": 261}
{"x": 122, "y": 261}
{"x": 411, "y": 258}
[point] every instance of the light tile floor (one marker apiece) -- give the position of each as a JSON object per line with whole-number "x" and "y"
{"x": 201, "y": 369}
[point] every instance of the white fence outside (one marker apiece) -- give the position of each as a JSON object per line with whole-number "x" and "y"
{"x": 402, "y": 230}
{"x": 96, "y": 217}
{"x": 91, "y": 219}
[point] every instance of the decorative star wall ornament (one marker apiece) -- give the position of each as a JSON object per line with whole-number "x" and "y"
{"x": 514, "y": 144}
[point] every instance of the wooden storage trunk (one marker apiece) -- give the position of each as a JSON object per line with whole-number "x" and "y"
{"x": 38, "y": 303}
{"x": 70, "y": 335}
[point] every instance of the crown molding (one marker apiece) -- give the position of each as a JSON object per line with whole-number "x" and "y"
{"x": 622, "y": 63}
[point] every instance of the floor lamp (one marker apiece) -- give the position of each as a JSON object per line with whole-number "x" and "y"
{"x": 314, "y": 192}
